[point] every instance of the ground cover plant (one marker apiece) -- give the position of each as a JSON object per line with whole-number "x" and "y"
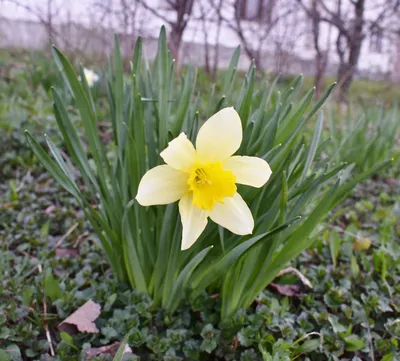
{"x": 352, "y": 265}
{"x": 354, "y": 270}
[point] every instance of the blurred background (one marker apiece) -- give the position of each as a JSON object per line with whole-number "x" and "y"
{"x": 323, "y": 39}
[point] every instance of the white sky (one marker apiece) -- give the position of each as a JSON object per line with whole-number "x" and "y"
{"x": 78, "y": 9}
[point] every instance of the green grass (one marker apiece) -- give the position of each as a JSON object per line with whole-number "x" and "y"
{"x": 362, "y": 91}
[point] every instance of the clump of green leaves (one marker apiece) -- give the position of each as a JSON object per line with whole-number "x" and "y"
{"x": 364, "y": 137}
{"x": 148, "y": 108}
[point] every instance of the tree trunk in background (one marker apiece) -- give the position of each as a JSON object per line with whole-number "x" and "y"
{"x": 314, "y": 14}
{"x": 49, "y": 23}
{"x": 320, "y": 67}
{"x": 183, "y": 10}
{"x": 207, "y": 65}
{"x": 175, "y": 40}
{"x": 396, "y": 68}
{"x": 216, "y": 52}
{"x": 346, "y": 70}
{"x": 354, "y": 41}
{"x": 320, "y": 63}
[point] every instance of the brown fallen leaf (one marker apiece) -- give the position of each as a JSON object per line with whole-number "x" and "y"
{"x": 82, "y": 319}
{"x": 362, "y": 244}
{"x": 50, "y": 209}
{"x": 235, "y": 343}
{"x": 215, "y": 296}
{"x": 5, "y": 206}
{"x": 43, "y": 186}
{"x": 286, "y": 290}
{"x": 108, "y": 349}
{"x": 391, "y": 181}
{"x": 66, "y": 252}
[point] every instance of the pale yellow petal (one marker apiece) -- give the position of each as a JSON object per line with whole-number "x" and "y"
{"x": 233, "y": 214}
{"x": 251, "y": 171}
{"x": 180, "y": 153}
{"x": 162, "y": 185}
{"x": 194, "y": 221}
{"x": 220, "y": 136}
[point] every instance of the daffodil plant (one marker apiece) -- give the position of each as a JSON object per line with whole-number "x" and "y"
{"x": 169, "y": 249}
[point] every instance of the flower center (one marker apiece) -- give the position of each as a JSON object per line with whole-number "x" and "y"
{"x": 210, "y": 183}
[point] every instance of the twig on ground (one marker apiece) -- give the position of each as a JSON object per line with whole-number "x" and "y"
{"x": 303, "y": 278}
{"x": 46, "y": 327}
{"x": 66, "y": 235}
{"x": 80, "y": 239}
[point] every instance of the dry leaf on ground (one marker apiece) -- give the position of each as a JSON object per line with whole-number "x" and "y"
{"x": 109, "y": 350}
{"x": 362, "y": 244}
{"x": 286, "y": 290}
{"x": 66, "y": 252}
{"x": 291, "y": 290}
{"x": 82, "y": 319}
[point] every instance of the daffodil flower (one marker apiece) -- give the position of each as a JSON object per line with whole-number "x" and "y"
{"x": 90, "y": 76}
{"x": 204, "y": 178}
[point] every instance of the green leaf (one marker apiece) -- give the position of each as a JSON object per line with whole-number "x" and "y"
{"x": 163, "y": 74}
{"x": 4, "y": 356}
{"x": 218, "y": 268}
{"x": 51, "y": 166}
{"x": 13, "y": 351}
{"x": 181, "y": 282}
{"x": 353, "y": 344}
{"x": 231, "y": 72}
{"x": 27, "y": 297}
{"x": 336, "y": 326}
{"x": 245, "y": 98}
{"x": 334, "y": 246}
{"x": 132, "y": 261}
{"x": 68, "y": 340}
{"x": 184, "y": 101}
{"x": 321, "y": 101}
{"x": 355, "y": 268}
{"x": 306, "y": 347}
{"x": 121, "y": 349}
{"x": 313, "y": 146}
{"x": 85, "y": 110}
{"x": 52, "y": 288}
{"x": 72, "y": 141}
{"x": 388, "y": 357}
{"x": 137, "y": 57}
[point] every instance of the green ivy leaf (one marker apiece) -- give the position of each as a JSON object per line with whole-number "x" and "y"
{"x": 68, "y": 340}
{"x": 210, "y": 336}
{"x": 52, "y": 288}
{"x": 27, "y": 297}
{"x": 4, "y": 356}
{"x": 354, "y": 344}
{"x": 388, "y": 357}
{"x": 355, "y": 268}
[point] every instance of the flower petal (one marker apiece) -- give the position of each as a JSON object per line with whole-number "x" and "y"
{"x": 251, "y": 171}
{"x": 194, "y": 220}
{"x": 233, "y": 214}
{"x": 220, "y": 136}
{"x": 180, "y": 153}
{"x": 162, "y": 185}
